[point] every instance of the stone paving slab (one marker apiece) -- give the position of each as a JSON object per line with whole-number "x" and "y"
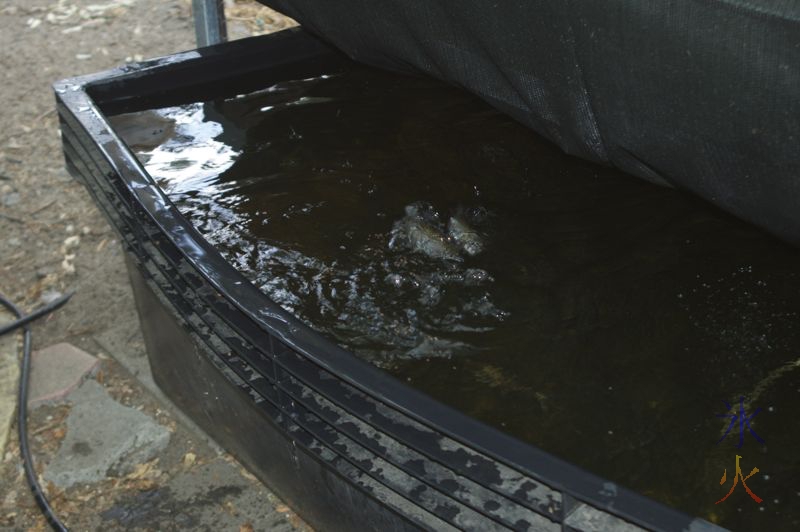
{"x": 104, "y": 438}
{"x": 58, "y": 370}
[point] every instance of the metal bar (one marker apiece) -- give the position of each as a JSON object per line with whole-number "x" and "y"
{"x": 209, "y": 22}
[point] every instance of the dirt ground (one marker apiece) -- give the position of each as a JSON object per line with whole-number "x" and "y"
{"x": 41, "y": 207}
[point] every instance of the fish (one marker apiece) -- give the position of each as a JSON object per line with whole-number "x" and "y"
{"x": 143, "y": 131}
{"x": 764, "y": 384}
{"x": 423, "y": 211}
{"x": 469, "y": 240}
{"x": 423, "y": 231}
{"x": 426, "y": 239}
{"x": 419, "y": 231}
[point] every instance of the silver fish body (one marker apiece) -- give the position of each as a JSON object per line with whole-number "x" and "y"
{"x": 426, "y": 239}
{"x": 464, "y": 236}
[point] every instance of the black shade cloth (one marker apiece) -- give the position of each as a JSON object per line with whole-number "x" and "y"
{"x": 700, "y": 94}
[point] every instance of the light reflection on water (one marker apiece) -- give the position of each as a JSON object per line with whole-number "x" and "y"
{"x": 191, "y": 158}
{"x": 601, "y": 318}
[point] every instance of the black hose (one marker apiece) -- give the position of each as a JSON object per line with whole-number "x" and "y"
{"x": 35, "y": 315}
{"x": 22, "y": 409}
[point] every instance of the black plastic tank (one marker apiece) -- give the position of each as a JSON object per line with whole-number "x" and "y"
{"x": 345, "y": 444}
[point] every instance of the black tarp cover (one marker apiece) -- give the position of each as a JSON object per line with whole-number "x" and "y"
{"x": 700, "y": 94}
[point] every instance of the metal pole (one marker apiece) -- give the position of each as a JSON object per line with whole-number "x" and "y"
{"x": 209, "y": 22}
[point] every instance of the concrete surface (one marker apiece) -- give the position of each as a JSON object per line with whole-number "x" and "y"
{"x": 192, "y": 500}
{"x": 104, "y": 438}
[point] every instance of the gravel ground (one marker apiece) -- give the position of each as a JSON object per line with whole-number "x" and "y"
{"x": 53, "y": 239}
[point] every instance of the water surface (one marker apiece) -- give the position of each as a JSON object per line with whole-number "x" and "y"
{"x": 603, "y": 319}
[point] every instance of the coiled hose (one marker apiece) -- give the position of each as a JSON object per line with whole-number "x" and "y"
{"x": 23, "y": 321}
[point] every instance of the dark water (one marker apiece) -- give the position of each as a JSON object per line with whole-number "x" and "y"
{"x": 600, "y": 318}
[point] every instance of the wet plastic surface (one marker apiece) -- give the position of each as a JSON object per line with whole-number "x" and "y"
{"x": 345, "y": 444}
